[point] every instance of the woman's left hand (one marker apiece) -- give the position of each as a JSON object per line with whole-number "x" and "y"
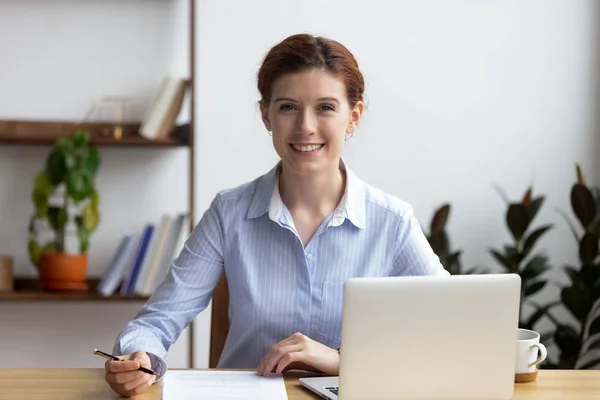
{"x": 300, "y": 352}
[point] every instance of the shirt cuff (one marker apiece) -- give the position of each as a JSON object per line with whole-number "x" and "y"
{"x": 158, "y": 365}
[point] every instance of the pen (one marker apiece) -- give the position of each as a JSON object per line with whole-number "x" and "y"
{"x": 115, "y": 358}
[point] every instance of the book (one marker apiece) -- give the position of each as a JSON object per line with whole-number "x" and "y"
{"x": 162, "y": 114}
{"x": 127, "y": 286}
{"x": 121, "y": 260}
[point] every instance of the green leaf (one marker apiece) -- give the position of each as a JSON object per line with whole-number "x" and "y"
{"x": 534, "y": 288}
{"x": 503, "y": 261}
{"x": 57, "y": 217}
{"x": 56, "y": 166}
{"x": 439, "y": 242}
{"x": 535, "y": 207}
{"x": 440, "y": 218}
{"x": 535, "y": 267}
{"x": 595, "y": 225}
{"x": 595, "y": 292}
{"x": 576, "y": 302}
{"x": 80, "y": 138}
{"x": 573, "y": 274}
{"x": 511, "y": 253}
{"x": 536, "y": 316}
{"x": 567, "y": 340}
{"x": 517, "y": 219}
{"x": 35, "y": 252}
{"x": 594, "y": 345}
{"x": 571, "y": 226}
{"x": 546, "y": 338}
{"x": 533, "y": 238}
{"x": 583, "y": 204}
{"x": 590, "y": 364}
{"x": 83, "y": 234}
{"x": 90, "y": 217}
{"x": 42, "y": 190}
{"x": 527, "y": 199}
{"x": 588, "y": 248}
{"x": 64, "y": 143}
{"x": 596, "y": 193}
{"x": 589, "y": 275}
{"x": 594, "y": 326}
{"x": 79, "y": 185}
{"x": 95, "y": 200}
{"x": 89, "y": 161}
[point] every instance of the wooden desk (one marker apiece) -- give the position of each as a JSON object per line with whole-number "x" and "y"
{"x": 89, "y": 384}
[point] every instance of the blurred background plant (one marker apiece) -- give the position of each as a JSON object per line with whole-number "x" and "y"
{"x": 72, "y": 165}
{"x": 577, "y": 343}
{"x": 440, "y": 243}
{"x": 517, "y": 257}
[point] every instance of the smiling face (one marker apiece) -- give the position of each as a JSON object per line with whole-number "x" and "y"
{"x": 309, "y": 116}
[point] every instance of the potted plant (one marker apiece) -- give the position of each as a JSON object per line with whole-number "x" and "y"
{"x": 519, "y": 258}
{"x": 69, "y": 174}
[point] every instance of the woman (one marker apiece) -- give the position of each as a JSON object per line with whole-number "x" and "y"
{"x": 288, "y": 240}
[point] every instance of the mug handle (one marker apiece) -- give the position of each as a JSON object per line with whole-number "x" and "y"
{"x": 543, "y": 354}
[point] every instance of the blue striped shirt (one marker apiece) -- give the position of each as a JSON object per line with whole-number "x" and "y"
{"x": 277, "y": 285}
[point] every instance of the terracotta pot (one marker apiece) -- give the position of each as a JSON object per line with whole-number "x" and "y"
{"x": 63, "y": 271}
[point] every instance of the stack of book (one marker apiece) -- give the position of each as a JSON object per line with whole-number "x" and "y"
{"x": 142, "y": 261}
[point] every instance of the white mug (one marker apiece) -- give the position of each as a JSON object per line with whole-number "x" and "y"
{"x": 530, "y": 352}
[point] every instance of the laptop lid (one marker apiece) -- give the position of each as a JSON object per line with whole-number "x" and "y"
{"x": 429, "y": 337}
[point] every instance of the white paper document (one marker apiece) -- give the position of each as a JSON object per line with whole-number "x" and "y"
{"x": 222, "y": 385}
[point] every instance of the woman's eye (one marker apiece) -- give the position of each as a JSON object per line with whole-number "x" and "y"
{"x": 287, "y": 107}
{"x": 326, "y": 107}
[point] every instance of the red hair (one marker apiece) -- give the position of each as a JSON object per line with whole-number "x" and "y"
{"x": 301, "y": 52}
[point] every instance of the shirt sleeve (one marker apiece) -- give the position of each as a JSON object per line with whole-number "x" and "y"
{"x": 414, "y": 255}
{"x": 185, "y": 292}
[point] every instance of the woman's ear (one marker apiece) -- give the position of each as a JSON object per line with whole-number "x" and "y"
{"x": 356, "y": 113}
{"x": 264, "y": 113}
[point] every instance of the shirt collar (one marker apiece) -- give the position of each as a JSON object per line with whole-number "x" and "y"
{"x": 266, "y": 199}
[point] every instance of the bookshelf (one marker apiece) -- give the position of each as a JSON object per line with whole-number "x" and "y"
{"x": 33, "y": 132}
{"x": 28, "y": 289}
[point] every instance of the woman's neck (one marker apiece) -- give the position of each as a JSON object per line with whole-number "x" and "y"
{"x": 317, "y": 194}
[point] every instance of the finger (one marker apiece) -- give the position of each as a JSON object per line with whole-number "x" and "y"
{"x": 275, "y": 357}
{"x": 272, "y": 351}
{"x": 143, "y": 386}
{"x": 131, "y": 385}
{"x": 144, "y": 362}
{"x": 121, "y": 366}
{"x": 289, "y": 358}
{"x": 123, "y": 377}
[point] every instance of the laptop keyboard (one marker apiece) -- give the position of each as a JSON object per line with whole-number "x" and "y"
{"x": 333, "y": 390}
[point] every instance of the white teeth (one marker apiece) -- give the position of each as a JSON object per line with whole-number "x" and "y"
{"x": 310, "y": 147}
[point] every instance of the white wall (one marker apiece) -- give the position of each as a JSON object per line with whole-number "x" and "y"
{"x": 57, "y": 58}
{"x": 461, "y": 95}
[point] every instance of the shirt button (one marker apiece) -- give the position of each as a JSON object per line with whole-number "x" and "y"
{"x": 309, "y": 256}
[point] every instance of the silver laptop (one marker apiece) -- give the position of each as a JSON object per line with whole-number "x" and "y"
{"x": 432, "y": 337}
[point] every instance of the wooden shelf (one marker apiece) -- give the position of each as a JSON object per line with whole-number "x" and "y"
{"x": 29, "y": 290}
{"x": 34, "y": 133}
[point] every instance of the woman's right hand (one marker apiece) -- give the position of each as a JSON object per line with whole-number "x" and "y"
{"x": 123, "y": 376}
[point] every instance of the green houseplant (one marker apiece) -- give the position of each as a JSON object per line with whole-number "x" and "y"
{"x": 518, "y": 256}
{"x": 69, "y": 173}
{"x": 440, "y": 242}
{"x": 582, "y": 296}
